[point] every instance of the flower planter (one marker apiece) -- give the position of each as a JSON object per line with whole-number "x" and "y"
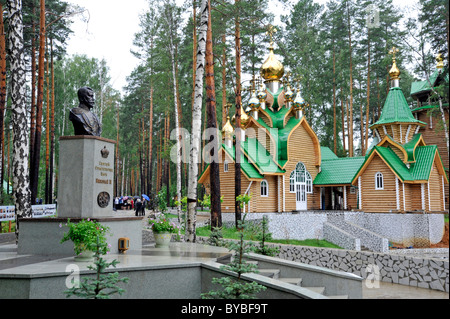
{"x": 85, "y": 255}
{"x": 162, "y": 239}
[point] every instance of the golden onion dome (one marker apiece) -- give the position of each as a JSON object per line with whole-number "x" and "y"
{"x": 244, "y": 118}
{"x": 253, "y": 103}
{"x": 288, "y": 93}
{"x": 228, "y": 129}
{"x": 440, "y": 61}
{"x": 394, "y": 73}
{"x": 299, "y": 102}
{"x": 261, "y": 95}
{"x": 272, "y": 69}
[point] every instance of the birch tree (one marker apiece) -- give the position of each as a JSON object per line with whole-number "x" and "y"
{"x": 21, "y": 183}
{"x": 196, "y": 125}
{"x": 169, "y": 12}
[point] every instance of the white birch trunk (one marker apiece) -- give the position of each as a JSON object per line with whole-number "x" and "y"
{"x": 177, "y": 128}
{"x": 196, "y": 126}
{"x": 21, "y": 174}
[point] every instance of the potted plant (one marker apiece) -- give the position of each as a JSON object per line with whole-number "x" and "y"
{"x": 162, "y": 230}
{"x": 86, "y": 235}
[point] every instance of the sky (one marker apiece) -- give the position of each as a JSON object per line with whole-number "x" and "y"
{"x": 109, "y": 33}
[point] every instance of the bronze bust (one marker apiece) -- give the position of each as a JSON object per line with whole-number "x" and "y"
{"x": 84, "y": 121}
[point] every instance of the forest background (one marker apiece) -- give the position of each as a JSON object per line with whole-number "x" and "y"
{"x": 338, "y": 51}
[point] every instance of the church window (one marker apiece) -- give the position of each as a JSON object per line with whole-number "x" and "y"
{"x": 292, "y": 182}
{"x": 379, "y": 180}
{"x": 225, "y": 166}
{"x": 264, "y": 188}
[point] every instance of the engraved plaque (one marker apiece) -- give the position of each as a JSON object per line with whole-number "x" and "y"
{"x": 103, "y": 199}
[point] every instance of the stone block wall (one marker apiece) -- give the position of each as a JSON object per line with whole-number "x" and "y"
{"x": 430, "y": 273}
{"x": 405, "y": 270}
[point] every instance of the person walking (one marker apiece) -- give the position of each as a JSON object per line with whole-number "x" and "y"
{"x": 138, "y": 207}
{"x": 144, "y": 203}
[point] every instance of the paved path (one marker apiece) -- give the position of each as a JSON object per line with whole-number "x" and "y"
{"x": 384, "y": 291}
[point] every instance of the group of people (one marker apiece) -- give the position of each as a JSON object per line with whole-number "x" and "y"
{"x": 128, "y": 203}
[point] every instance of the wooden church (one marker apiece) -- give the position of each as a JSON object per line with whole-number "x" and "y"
{"x": 285, "y": 169}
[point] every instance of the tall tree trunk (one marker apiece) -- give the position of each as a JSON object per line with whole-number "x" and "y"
{"x": 214, "y": 181}
{"x": 224, "y": 79}
{"x": 368, "y": 94}
{"x": 34, "y": 167}
{"x": 238, "y": 102}
{"x": 2, "y": 98}
{"x": 196, "y": 125}
{"x": 33, "y": 84}
{"x": 52, "y": 125}
{"x": 116, "y": 188}
{"x": 343, "y": 118}
{"x": 150, "y": 141}
{"x": 334, "y": 102}
{"x": 47, "y": 129}
{"x": 21, "y": 186}
{"x": 350, "y": 120}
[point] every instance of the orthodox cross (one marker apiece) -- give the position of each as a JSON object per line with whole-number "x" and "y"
{"x": 393, "y": 51}
{"x": 270, "y": 32}
{"x": 227, "y": 107}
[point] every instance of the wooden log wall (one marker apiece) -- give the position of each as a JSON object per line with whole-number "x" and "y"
{"x": 433, "y": 136}
{"x": 370, "y": 196}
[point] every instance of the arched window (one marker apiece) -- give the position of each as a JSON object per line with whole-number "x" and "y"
{"x": 379, "y": 180}
{"x": 301, "y": 175}
{"x": 292, "y": 182}
{"x": 225, "y": 166}
{"x": 309, "y": 188}
{"x": 264, "y": 188}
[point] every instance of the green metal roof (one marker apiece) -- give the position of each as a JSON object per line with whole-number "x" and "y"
{"x": 411, "y": 146}
{"x": 280, "y": 132}
{"x": 259, "y": 156}
{"x": 248, "y": 168}
{"x": 339, "y": 170}
{"x": 420, "y": 170}
{"x": 424, "y": 86}
{"x": 327, "y": 153}
{"x": 426, "y": 107}
{"x": 396, "y": 109}
{"x": 394, "y": 162}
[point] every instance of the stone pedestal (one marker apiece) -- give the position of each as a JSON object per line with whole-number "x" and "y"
{"x": 85, "y": 190}
{"x": 86, "y": 176}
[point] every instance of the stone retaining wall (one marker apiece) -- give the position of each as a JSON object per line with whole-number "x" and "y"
{"x": 374, "y": 230}
{"x": 430, "y": 273}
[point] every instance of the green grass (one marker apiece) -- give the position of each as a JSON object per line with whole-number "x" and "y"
{"x": 250, "y": 234}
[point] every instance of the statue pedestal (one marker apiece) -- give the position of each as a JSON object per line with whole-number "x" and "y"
{"x": 86, "y": 176}
{"x": 85, "y": 190}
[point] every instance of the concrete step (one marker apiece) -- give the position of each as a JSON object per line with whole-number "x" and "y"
{"x": 271, "y": 273}
{"x": 338, "y": 297}
{"x": 319, "y": 290}
{"x": 294, "y": 281}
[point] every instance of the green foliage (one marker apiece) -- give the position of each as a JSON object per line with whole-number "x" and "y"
{"x": 206, "y": 202}
{"x": 263, "y": 237}
{"x": 237, "y": 288}
{"x": 162, "y": 225}
{"x": 251, "y": 233}
{"x": 162, "y": 201}
{"x": 103, "y": 285}
{"x": 86, "y": 235}
{"x": 215, "y": 237}
{"x": 243, "y": 199}
{"x": 183, "y": 203}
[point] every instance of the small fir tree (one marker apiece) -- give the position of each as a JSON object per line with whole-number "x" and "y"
{"x": 237, "y": 288}
{"x": 263, "y": 236}
{"x": 103, "y": 285}
{"x": 215, "y": 237}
